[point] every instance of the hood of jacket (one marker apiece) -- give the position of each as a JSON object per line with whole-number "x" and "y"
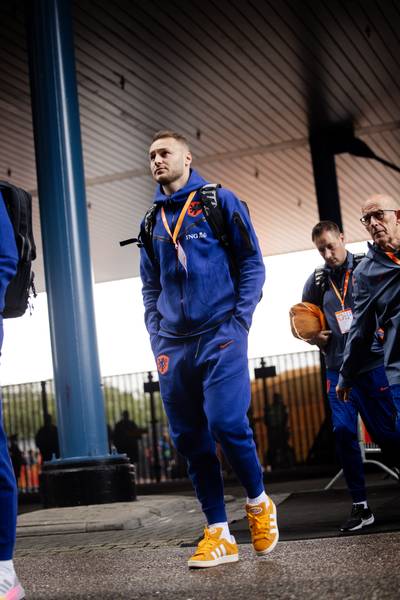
{"x": 194, "y": 182}
{"x": 378, "y": 255}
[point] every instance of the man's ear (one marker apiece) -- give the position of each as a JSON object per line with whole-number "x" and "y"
{"x": 188, "y": 158}
{"x": 341, "y": 237}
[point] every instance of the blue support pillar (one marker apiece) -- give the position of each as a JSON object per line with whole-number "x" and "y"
{"x": 64, "y": 222}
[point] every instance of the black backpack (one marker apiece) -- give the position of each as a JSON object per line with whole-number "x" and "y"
{"x": 19, "y": 207}
{"x": 208, "y": 198}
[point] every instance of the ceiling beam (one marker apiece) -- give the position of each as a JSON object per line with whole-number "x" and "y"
{"x": 221, "y": 156}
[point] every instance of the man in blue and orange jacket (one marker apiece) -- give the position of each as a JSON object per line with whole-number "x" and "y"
{"x": 377, "y": 296}
{"x": 10, "y": 587}
{"x": 198, "y": 311}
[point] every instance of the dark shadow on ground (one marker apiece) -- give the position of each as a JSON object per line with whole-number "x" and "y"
{"x": 318, "y": 514}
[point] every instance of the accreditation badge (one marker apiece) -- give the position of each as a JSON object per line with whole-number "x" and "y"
{"x": 344, "y": 319}
{"x": 181, "y": 256}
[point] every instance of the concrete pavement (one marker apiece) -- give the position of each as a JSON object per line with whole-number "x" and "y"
{"x": 139, "y": 550}
{"x": 357, "y": 568}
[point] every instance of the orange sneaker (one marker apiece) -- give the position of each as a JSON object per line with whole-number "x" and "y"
{"x": 263, "y": 526}
{"x": 213, "y": 550}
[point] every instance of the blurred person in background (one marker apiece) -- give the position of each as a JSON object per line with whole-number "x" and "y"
{"x": 46, "y": 439}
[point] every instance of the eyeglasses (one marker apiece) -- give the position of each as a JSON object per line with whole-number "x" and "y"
{"x": 379, "y": 215}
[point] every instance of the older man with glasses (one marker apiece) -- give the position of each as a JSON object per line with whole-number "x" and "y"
{"x": 377, "y": 295}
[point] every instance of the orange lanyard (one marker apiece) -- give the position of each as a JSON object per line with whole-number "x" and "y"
{"x": 345, "y": 287}
{"x": 178, "y": 225}
{"x": 394, "y": 258}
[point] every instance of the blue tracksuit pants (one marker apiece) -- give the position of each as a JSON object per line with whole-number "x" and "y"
{"x": 371, "y": 397}
{"x": 205, "y": 387}
{"x": 8, "y": 491}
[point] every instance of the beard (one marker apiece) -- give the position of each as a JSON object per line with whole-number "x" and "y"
{"x": 165, "y": 178}
{"x": 169, "y": 176}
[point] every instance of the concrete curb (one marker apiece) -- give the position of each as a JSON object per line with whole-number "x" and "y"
{"x": 155, "y": 510}
{"x": 102, "y": 517}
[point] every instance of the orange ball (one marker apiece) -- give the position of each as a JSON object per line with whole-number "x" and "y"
{"x": 306, "y": 320}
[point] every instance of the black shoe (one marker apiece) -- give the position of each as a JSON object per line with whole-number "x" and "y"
{"x": 359, "y": 517}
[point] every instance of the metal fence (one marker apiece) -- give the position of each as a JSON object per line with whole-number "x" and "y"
{"x": 287, "y": 412}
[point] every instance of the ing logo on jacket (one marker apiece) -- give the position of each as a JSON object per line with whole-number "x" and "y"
{"x": 196, "y": 236}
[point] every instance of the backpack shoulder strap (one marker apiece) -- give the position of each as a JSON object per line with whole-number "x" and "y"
{"x": 149, "y": 220}
{"x": 145, "y": 237}
{"x": 208, "y": 198}
{"x": 321, "y": 283}
{"x": 320, "y": 278}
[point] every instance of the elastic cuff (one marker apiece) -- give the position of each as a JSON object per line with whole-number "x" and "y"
{"x": 6, "y": 552}
{"x": 255, "y": 490}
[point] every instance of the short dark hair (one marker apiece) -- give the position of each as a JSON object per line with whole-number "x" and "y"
{"x": 167, "y": 133}
{"x": 322, "y": 226}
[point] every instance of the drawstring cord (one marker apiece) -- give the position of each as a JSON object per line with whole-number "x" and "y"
{"x": 198, "y": 347}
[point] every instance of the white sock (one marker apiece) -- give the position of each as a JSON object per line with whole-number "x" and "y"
{"x": 7, "y": 567}
{"x": 261, "y": 498}
{"x": 225, "y": 533}
{"x": 363, "y": 504}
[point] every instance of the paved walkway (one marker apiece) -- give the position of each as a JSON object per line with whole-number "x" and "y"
{"x": 139, "y": 550}
{"x": 151, "y": 521}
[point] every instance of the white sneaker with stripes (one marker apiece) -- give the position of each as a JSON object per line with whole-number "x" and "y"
{"x": 10, "y": 587}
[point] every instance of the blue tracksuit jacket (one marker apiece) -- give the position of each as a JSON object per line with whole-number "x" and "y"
{"x": 180, "y": 303}
{"x": 373, "y": 353}
{"x": 377, "y": 294}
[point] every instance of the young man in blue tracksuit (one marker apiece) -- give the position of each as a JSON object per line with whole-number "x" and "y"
{"x": 198, "y": 310}
{"x": 10, "y": 588}
{"x": 371, "y": 395}
{"x": 377, "y": 296}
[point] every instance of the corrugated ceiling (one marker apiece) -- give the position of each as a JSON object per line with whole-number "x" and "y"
{"x": 243, "y": 80}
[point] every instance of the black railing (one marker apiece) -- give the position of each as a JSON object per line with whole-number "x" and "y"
{"x": 287, "y": 412}
{"x": 24, "y": 407}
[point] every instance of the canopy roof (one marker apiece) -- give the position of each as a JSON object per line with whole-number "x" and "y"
{"x": 244, "y": 80}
